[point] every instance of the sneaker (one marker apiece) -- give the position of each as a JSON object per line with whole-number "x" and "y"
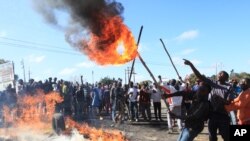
{"x": 136, "y": 120}
{"x": 101, "y": 118}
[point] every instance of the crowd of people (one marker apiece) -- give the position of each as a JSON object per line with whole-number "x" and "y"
{"x": 189, "y": 106}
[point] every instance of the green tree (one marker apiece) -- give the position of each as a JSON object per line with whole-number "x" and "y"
{"x": 106, "y": 80}
{"x": 213, "y": 77}
{"x": 148, "y": 82}
{"x": 2, "y": 61}
{"x": 239, "y": 76}
{"x": 244, "y": 75}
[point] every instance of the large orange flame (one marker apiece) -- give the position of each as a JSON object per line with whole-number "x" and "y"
{"x": 32, "y": 110}
{"x": 96, "y": 134}
{"x": 102, "y": 48}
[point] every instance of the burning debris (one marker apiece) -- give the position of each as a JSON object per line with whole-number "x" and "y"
{"x": 31, "y": 119}
{"x": 95, "y": 27}
{"x": 96, "y": 134}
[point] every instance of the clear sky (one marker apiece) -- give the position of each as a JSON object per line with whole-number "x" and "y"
{"x": 209, "y": 33}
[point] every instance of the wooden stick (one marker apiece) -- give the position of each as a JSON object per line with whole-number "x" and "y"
{"x": 132, "y": 68}
{"x": 171, "y": 60}
{"x": 152, "y": 76}
{"x": 144, "y": 64}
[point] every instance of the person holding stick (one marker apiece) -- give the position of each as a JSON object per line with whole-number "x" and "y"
{"x": 197, "y": 114}
{"x": 218, "y": 97}
{"x": 174, "y": 104}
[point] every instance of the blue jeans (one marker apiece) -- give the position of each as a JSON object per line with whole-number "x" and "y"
{"x": 233, "y": 118}
{"x": 188, "y": 134}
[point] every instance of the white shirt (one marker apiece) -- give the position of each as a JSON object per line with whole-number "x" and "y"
{"x": 176, "y": 100}
{"x": 133, "y": 93}
{"x": 156, "y": 96}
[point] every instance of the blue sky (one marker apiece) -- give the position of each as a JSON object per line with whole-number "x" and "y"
{"x": 209, "y": 33}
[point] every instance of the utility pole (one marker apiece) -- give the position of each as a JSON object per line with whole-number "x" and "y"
{"x": 128, "y": 73}
{"x": 125, "y": 76}
{"x": 29, "y": 73}
{"x": 23, "y": 67}
{"x": 134, "y": 74}
{"x": 92, "y": 77}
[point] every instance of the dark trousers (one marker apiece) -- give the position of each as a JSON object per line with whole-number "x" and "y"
{"x": 145, "y": 109}
{"x": 79, "y": 111}
{"x": 157, "y": 109}
{"x": 222, "y": 125}
{"x": 134, "y": 110}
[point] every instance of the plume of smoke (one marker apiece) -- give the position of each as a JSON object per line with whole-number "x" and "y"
{"x": 47, "y": 8}
{"x": 86, "y": 18}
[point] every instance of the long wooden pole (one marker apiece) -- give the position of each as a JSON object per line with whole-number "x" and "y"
{"x": 152, "y": 76}
{"x": 132, "y": 68}
{"x": 144, "y": 64}
{"x": 171, "y": 60}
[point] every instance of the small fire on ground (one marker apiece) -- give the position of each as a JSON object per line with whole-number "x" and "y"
{"x": 31, "y": 120}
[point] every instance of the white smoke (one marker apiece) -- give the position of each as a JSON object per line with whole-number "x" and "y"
{"x": 74, "y": 137}
{"x": 25, "y": 135}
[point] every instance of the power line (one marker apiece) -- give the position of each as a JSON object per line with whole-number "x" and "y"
{"x": 57, "y": 49}
{"x": 49, "y": 45}
{"x": 36, "y": 48}
{"x": 33, "y": 43}
{"x": 49, "y": 50}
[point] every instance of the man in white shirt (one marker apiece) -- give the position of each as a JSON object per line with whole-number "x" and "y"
{"x": 174, "y": 106}
{"x": 156, "y": 98}
{"x": 133, "y": 103}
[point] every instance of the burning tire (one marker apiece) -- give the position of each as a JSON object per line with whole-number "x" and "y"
{"x": 58, "y": 123}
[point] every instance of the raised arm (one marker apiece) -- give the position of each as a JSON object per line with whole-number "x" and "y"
{"x": 196, "y": 72}
{"x": 81, "y": 80}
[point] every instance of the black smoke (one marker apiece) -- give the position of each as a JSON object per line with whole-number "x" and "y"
{"x": 85, "y": 17}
